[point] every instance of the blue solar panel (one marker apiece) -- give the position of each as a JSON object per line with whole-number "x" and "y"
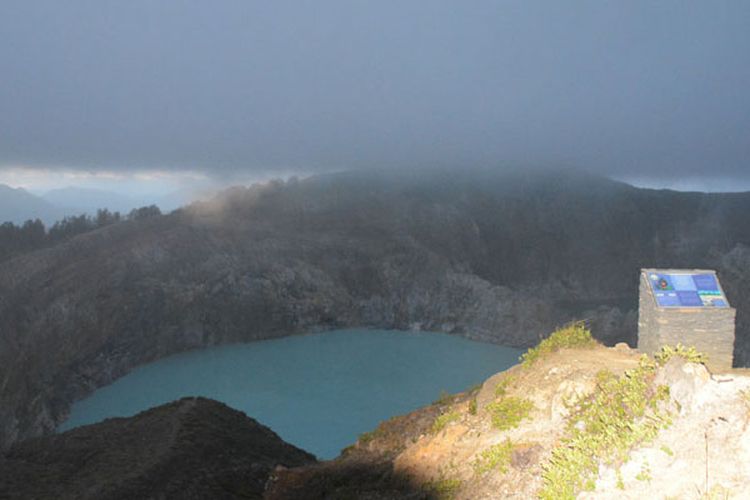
{"x": 690, "y": 299}
{"x": 667, "y": 299}
{"x": 706, "y": 282}
{"x": 687, "y": 290}
{"x": 683, "y": 282}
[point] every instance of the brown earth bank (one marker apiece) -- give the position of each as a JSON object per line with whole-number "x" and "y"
{"x": 501, "y": 258}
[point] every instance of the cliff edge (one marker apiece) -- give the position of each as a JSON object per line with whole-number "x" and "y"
{"x": 573, "y": 420}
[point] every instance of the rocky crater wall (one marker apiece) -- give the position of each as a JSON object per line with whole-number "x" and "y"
{"x": 501, "y": 260}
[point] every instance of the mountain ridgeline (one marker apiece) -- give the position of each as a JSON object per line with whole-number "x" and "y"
{"x": 33, "y": 235}
{"x": 496, "y": 257}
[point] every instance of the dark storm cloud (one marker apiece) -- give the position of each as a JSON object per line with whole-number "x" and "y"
{"x": 625, "y": 88}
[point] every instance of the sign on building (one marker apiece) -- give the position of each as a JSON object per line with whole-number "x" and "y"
{"x": 688, "y": 307}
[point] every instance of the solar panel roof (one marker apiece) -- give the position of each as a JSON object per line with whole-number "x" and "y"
{"x": 675, "y": 288}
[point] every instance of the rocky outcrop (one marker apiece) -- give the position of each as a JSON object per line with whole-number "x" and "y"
{"x": 194, "y": 448}
{"x": 465, "y": 448}
{"x": 497, "y": 258}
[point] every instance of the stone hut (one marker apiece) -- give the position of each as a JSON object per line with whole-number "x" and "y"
{"x": 686, "y": 306}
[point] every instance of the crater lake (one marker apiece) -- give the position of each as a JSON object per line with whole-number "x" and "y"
{"x": 317, "y": 391}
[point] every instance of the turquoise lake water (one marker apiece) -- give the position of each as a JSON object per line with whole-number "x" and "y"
{"x": 317, "y": 391}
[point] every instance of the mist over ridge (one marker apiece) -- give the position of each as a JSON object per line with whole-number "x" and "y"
{"x": 500, "y": 258}
{"x": 630, "y": 90}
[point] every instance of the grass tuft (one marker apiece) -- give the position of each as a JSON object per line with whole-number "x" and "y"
{"x": 689, "y": 354}
{"x": 574, "y": 335}
{"x": 444, "y": 399}
{"x": 443, "y": 420}
{"x": 502, "y": 387}
{"x": 508, "y": 412}
{"x": 366, "y": 437}
{"x": 473, "y": 406}
{"x": 443, "y": 489}
{"x": 495, "y": 457}
{"x": 645, "y": 473}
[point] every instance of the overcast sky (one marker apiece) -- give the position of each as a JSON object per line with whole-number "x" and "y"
{"x": 656, "y": 91}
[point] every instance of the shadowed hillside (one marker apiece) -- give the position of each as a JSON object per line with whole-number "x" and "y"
{"x": 495, "y": 257}
{"x": 191, "y": 448}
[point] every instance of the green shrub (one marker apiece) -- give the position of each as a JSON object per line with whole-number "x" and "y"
{"x": 622, "y": 413}
{"x": 445, "y": 398}
{"x": 666, "y": 449}
{"x": 574, "y": 335}
{"x": 443, "y": 489}
{"x": 502, "y": 387}
{"x": 366, "y": 437}
{"x": 473, "y": 406}
{"x": 443, "y": 420}
{"x": 717, "y": 492}
{"x": 689, "y": 354}
{"x": 495, "y": 457}
{"x": 508, "y": 412}
{"x": 645, "y": 473}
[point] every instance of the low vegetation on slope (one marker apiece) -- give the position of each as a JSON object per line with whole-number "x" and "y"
{"x": 573, "y": 420}
{"x": 622, "y": 413}
{"x": 572, "y": 336}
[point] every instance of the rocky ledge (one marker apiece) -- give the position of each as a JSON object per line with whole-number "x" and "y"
{"x": 587, "y": 423}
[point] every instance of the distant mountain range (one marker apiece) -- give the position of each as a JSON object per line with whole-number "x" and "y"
{"x": 76, "y": 200}
{"x": 18, "y": 205}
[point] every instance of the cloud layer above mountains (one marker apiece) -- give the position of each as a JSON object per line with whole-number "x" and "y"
{"x": 629, "y": 89}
